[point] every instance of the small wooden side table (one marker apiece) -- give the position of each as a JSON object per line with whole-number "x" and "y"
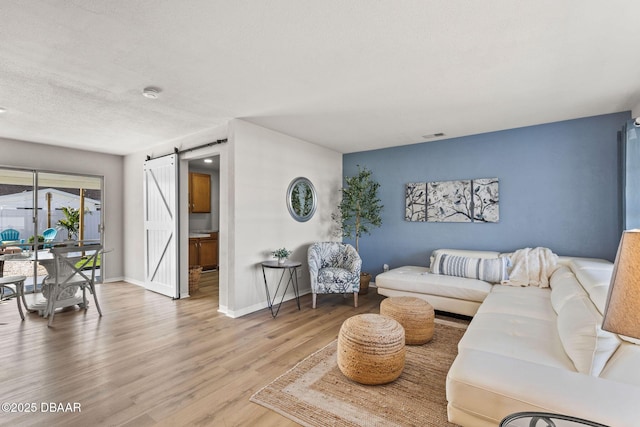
{"x": 288, "y": 266}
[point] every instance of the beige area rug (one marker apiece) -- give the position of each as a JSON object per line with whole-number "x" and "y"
{"x": 316, "y": 393}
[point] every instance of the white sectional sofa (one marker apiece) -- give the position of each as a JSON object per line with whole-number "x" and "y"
{"x": 531, "y": 348}
{"x": 445, "y": 293}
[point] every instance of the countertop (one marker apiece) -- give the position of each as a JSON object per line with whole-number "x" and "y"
{"x": 201, "y": 233}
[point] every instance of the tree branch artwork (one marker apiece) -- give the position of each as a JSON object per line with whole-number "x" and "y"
{"x": 485, "y": 200}
{"x": 472, "y": 200}
{"x": 416, "y": 202}
{"x": 449, "y": 201}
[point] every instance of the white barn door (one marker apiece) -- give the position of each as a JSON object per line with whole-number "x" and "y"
{"x": 161, "y": 225}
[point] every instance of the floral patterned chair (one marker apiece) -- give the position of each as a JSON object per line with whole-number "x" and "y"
{"x": 335, "y": 269}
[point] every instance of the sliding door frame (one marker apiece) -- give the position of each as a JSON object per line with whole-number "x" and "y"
{"x": 34, "y": 217}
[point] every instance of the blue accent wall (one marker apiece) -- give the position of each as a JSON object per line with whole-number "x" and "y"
{"x": 559, "y": 188}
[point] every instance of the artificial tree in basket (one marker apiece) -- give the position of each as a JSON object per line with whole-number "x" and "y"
{"x": 359, "y": 212}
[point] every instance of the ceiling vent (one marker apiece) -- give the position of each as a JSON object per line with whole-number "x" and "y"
{"x": 433, "y": 135}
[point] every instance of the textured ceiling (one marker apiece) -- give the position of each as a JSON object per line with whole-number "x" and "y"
{"x": 349, "y": 75}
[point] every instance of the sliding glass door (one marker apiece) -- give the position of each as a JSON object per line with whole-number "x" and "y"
{"x": 39, "y": 209}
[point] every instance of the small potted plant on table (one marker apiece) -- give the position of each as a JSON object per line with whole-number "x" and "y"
{"x": 282, "y": 254}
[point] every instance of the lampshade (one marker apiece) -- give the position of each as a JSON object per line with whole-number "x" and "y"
{"x": 622, "y": 312}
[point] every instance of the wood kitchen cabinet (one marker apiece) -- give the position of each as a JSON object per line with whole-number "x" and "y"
{"x": 199, "y": 192}
{"x": 194, "y": 252}
{"x": 203, "y": 251}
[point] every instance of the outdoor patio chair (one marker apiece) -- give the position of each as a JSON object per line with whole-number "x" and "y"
{"x": 10, "y": 235}
{"x": 49, "y": 235}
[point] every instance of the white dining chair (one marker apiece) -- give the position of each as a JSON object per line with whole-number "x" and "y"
{"x": 15, "y": 286}
{"x": 74, "y": 270}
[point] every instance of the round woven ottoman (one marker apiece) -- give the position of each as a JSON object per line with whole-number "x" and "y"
{"x": 414, "y": 314}
{"x": 371, "y": 349}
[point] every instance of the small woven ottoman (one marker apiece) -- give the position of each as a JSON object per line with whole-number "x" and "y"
{"x": 414, "y": 314}
{"x": 371, "y": 349}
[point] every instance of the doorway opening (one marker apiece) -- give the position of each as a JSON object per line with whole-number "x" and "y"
{"x": 204, "y": 226}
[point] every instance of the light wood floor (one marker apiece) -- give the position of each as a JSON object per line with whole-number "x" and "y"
{"x": 153, "y": 361}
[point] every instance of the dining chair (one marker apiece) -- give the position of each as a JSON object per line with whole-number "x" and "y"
{"x": 74, "y": 270}
{"x": 14, "y": 285}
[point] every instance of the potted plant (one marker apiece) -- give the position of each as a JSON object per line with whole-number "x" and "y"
{"x": 32, "y": 239}
{"x": 282, "y": 254}
{"x": 359, "y": 212}
{"x": 70, "y": 222}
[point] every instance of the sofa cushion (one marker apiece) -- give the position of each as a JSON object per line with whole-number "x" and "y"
{"x": 584, "y": 341}
{"x": 594, "y": 276}
{"x": 419, "y": 280}
{"x": 335, "y": 275}
{"x": 564, "y": 287}
{"x": 522, "y": 338}
{"x": 488, "y": 386}
{"x": 623, "y": 365}
{"x": 518, "y": 323}
{"x": 492, "y": 270}
{"x": 529, "y": 302}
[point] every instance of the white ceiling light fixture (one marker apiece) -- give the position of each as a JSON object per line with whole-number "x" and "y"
{"x": 3, "y": 110}
{"x": 151, "y": 92}
{"x": 208, "y": 160}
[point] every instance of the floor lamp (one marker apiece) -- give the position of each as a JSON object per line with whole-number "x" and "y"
{"x": 622, "y": 312}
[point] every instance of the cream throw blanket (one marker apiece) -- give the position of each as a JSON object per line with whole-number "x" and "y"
{"x": 531, "y": 267}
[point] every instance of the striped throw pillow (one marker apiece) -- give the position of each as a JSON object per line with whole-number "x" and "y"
{"x": 492, "y": 270}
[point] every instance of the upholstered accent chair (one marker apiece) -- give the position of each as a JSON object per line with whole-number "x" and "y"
{"x": 335, "y": 269}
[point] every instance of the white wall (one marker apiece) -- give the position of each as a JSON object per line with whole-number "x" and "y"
{"x": 635, "y": 112}
{"x": 256, "y": 168}
{"x": 133, "y": 201}
{"x": 28, "y": 155}
{"x": 265, "y": 163}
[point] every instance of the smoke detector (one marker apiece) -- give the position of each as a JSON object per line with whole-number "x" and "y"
{"x": 151, "y": 92}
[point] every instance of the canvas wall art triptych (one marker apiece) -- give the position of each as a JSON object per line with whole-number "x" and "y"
{"x": 469, "y": 200}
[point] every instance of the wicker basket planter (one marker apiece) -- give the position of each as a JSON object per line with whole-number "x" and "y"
{"x": 371, "y": 349}
{"x": 365, "y": 279}
{"x": 194, "y": 278}
{"x": 414, "y": 314}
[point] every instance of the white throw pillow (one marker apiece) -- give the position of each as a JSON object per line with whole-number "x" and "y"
{"x": 584, "y": 341}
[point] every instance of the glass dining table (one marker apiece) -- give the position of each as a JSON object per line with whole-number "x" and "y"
{"x": 39, "y": 301}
